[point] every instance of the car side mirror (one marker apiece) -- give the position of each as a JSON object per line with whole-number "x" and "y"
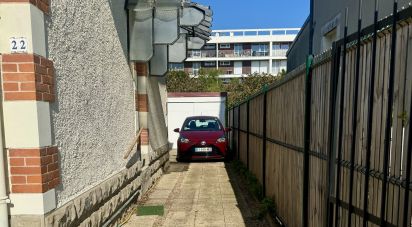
{"x": 228, "y": 129}
{"x": 176, "y": 130}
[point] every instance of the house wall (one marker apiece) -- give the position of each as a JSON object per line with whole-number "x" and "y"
{"x": 325, "y": 12}
{"x": 72, "y": 109}
{"x": 93, "y": 118}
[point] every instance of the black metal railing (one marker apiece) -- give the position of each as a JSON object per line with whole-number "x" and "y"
{"x": 347, "y": 199}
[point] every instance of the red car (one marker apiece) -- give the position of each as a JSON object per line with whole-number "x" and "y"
{"x": 202, "y": 138}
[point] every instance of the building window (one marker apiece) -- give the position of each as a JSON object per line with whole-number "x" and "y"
{"x": 210, "y": 47}
{"x": 176, "y": 67}
{"x": 225, "y": 63}
{"x": 196, "y": 67}
{"x": 210, "y": 63}
{"x": 224, "y": 46}
{"x": 280, "y": 49}
{"x": 260, "y": 67}
{"x": 329, "y": 38}
{"x": 278, "y": 67}
{"x": 238, "y": 50}
{"x": 284, "y": 46}
{"x": 261, "y": 49}
{"x": 196, "y": 54}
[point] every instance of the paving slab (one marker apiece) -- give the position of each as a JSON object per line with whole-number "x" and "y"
{"x": 197, "y": 194}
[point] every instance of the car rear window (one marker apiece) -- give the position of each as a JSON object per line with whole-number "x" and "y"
{"x": 201, "y": 124}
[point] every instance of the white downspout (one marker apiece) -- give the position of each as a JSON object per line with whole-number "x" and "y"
{"x": 4, "y": 199}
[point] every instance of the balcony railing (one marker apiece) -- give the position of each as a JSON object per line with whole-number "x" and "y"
{"x": 202, "y": 54}
{"x": 256, "y": 32}
{"x": 245, "y": 53}
{"x": 279, "y": 52}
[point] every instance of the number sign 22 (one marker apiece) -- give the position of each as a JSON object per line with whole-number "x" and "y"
{"x": 18, "y": 45}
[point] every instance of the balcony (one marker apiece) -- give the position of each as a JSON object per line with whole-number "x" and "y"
{"x": 260, "y": 53}
{"x": 202, "y": 54}
{"x": 240, "y": 54}
{"x": 279, "y": 52}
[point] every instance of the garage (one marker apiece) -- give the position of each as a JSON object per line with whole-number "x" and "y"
{"x": 183, "y": 105}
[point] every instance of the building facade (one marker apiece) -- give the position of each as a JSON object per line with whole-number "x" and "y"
{"x": 84, "y": 130}
{"x": 238, "y": 53}
{"x": 329, "y": 24}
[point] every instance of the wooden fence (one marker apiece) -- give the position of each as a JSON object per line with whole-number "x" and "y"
{"x": 360, "y": 144}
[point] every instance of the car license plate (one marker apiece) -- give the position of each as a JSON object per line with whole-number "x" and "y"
{"x": 203, "y": 149}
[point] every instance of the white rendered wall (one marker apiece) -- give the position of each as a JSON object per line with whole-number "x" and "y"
{"x": 93, "y": 118}
{"x": 182, "y": 107}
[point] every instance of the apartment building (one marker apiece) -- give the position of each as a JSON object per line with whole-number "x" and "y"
{"x": 238, "y": 53}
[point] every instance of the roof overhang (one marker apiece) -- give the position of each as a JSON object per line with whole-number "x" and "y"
{"x": 161, "y": 31}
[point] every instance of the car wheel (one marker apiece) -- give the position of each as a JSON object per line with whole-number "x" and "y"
{"x": 228, "y": 157}
{"x": 178, "y": 159}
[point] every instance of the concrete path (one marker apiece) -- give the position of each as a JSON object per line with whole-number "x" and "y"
{"x": 198, "y": 194}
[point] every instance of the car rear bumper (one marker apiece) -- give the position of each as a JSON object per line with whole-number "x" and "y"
{"x": 217, "y": 153}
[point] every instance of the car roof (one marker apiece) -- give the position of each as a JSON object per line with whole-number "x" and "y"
{"x": 201, "y": 117}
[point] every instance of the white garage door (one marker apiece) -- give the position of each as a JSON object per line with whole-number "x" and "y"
{"x": 180, "y": 108}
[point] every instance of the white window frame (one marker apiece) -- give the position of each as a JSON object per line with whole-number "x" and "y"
{"x": 238, "y": 51}
{"x": 224, "y": 46}
{"x": 177, "y": 66}
{"x": 196, "y": 53}
{"x": 210, "y": 63}
{"x": 210, "y": 47}
{"x": 224, "y": 63}
{"x": 196, "y": 70}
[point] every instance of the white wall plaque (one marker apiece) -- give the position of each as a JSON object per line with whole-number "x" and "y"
{"x": 18, "y": 45}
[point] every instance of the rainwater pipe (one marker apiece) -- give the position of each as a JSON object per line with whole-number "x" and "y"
{"x": 4, "y": 199}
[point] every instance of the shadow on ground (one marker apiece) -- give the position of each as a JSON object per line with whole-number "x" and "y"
{"x": 201, "y": 194}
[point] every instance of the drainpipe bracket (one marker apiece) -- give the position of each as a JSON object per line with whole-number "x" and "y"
{"x": 5, "y": 200}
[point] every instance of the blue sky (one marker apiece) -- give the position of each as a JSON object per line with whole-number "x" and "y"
{"x": 233, "y": 14}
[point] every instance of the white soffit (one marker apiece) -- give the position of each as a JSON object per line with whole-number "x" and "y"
{"x": 159, "y": 62}
{"x": 194, "y": 43}
{"x": 166, "y": 26}
{"x": 178, "y": 50}
{"x": 191, "y": 17}
{"x": 141, "y": 34}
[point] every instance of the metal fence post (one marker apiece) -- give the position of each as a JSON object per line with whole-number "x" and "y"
{"x": 370, "y": 116}
{"x": 340, "y": 121}
{"x": 354, "y": 116}
{"x": 306, "y": 149}
{"x": 264, "y": 141}
{"x": 247, "y": 136}
{"x": 238, "y": 132}
{"x": 387, "y": 142}
{"x": 307, "y": 118}
{"x": 336, "y": 51}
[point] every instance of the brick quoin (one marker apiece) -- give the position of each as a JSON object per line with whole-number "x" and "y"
{"x": 141, "y": 69}
{"x": 43, "y": 5}
{"x": 142, "y": 103}
{"x": 144, "y": 137}
{"x": 34, "y": 170}
{"x": 27, "y": 77}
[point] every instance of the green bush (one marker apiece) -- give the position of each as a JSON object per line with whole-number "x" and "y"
{"x": 238, "y": 89}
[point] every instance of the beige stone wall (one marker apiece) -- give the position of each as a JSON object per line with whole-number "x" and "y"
{"x": 97, "y": 205}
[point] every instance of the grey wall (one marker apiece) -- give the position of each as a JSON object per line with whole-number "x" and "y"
{"x": 93, "y": 117}
{"x": 299, "y": 50}
{"x": 326, "y": 10}
{"x": 156, "y": 120}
